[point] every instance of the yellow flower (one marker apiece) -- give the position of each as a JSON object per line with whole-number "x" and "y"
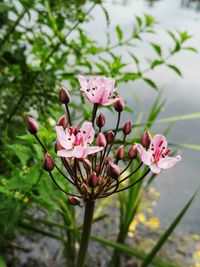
{"x": 153, "y": 223}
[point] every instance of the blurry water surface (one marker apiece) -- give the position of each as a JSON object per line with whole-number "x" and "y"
{"x": 182, "y": 94}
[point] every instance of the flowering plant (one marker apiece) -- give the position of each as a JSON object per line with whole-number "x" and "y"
{"x": 94, "y": 170}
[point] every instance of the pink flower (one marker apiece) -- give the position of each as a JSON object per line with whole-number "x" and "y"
{"x": 156, "y": 157}
{"x": 76, "y": 143}
{"x": 98, "y": 90}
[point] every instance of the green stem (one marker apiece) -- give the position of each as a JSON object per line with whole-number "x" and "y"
{"x": 87, "y": 226}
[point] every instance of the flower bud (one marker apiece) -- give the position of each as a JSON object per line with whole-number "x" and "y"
{"x": 62, "y": 121}
{"x": 93, "y": 180}
{"x": 120, "y": 153}
{"x": 109, "y": 137}
{"x": 127, "y": 127}
{"x": 32, "y": 125}
{"x": 84, "y": 188}
{"x": 107, "y": 160}
{"x": 74, "y": 200}
{"x": 87, "y": 164}
{"x": 113, "y": 170}
{"x": 96, "y": 168}
{"x": 101, "y": 180}
{"x": 64, "y": 96}
{"x": 119, "y": 105}
{"x": 101, "y": 140}
{"x": 57, "y": 146}
{"x": 146, "y": 139}
{"x": 48, "y": 163}
{"x": 132, "y": 152}
{"x": 100, "y": 121}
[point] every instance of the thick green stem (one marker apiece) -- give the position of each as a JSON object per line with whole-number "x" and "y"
{"x": 87, "y": 225}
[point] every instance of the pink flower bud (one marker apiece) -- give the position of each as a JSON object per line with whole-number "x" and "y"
{"x": 62, "y": 121}
{"x": 109, "y": 137}
{"x": 87, "y": 164}
{"x": 93, "y": 180}
{"x": 57, "y": 146}
{"x": 119, "y": 105}
{"x": 48, "y": 163}
{"x": 107, "y": 160}
{"x": 127, "y": 127}
{"x": 120, "y": 153}
{"x": 146, "y": 139}
{"x": 96, "y": 168}
{"x": 101, "y": 140}
{"x": 113, "y": 170}
{"x": 32, "y": 125}
{"x": 74, "y": 200}
{"x": 64, "y": 96}
{"x": 100, "y": 121}
{"x": 132, "y": 152}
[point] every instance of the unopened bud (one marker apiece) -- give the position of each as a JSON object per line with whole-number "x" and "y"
{"x": 93, "y": 180}
{"x": 32, "y": 125}
{"x": 64, "y": 96}
{"x": 146, "y": 139}
{"x": 100, "y": 121}
{"x": 109, "y": 137}
{"x": 108, "y": 160}
{"x": 57, "y": 146}
{"x": 48, "y": 163}
{"x": 101, "y": 180}
{"x": 87, "y": 164}
{"x": 84, "y": 188}
{"x": 127, "y": 127}
{"x": 132, "y": 152}
{"x": 74, "y": 200}
{"x": 62, "y": 121}
{"x": 119, "y": 105}
{"x": 96, "y": 168}
{"x": 101, "y": 140}
{"x": 113, "y": 170}
{"x": 120, "y": 153}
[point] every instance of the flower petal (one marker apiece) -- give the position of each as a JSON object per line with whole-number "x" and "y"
{"x": 155, "y": 169}
{"x": 145, "y": 156}
{"x": 79, "y": 152}
{"x": 158, "y": 141}
{"x": 87, "y": 133}
{"x": 63, "y": 138}
{"x": 111, "y": 101}
{"x": 83, "y": 82}
{"x": 93, "y": 150}
{"x": 168, "y": 162}
{"x": 66, "y": 153}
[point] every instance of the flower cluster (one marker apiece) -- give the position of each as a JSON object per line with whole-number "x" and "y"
{"x": 94, "y": 169}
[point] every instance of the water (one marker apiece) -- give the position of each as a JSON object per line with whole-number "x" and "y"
{"x": 183, "y": 96}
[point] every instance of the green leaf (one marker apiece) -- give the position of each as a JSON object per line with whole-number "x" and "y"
{"x": 157, "y": 49}
{"x": 151, "y": 83}
{"x": 156, "y": 63}
{"x": 119, "y": 33}
{"x": 175, "y": 69}
{"x": 2, "y": 262}
{"x": 192, "y": 49}
{"x": 131, "y": 251}
{"x": 167, "y": 233}
{"x": 139, "y": 21}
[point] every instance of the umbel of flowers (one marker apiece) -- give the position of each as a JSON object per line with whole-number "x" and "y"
{"x": 91, "y": 165}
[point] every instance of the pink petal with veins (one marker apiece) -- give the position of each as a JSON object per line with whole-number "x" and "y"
{"x": 168, "y": 162}
{"x": 158, "y": 141}
{"x": 155, "y": 169}
{"x": 63, "y": 138}
{"x": 145, "y": 156}
{"x": 87, "y": 133}
{"x": 65, "y": 153}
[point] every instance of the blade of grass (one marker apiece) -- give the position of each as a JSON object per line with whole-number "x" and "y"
{"x": 133, "y": 252}
{"x": 167, "y": 233}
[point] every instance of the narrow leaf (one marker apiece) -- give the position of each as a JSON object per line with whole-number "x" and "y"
{"x": 119, "y": 33}
{"x": 151, "y": 83}
{"x": 174, "y": 68}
